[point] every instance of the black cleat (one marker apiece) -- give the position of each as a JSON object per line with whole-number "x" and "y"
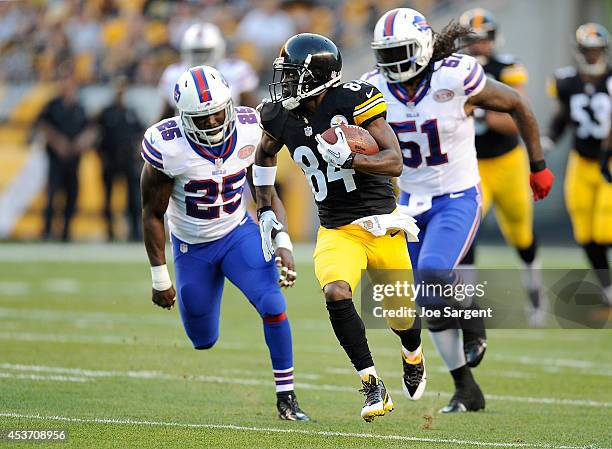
{"x": 377, "y": 400}
{"x": 289, "y": 409}
{"x": 474, "y": 351}
{"x": 415, "y": 378}
{"x": 469, "y": 399}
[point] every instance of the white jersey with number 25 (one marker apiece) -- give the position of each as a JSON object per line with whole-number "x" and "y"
{"x": 436, "y": 136}
{"x": 206, "y": 201}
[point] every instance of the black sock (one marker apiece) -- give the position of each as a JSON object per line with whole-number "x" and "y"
{"x": 528, "y": 254}
{"x": 350, "y": 332}
{"x": 598, "y": 258}
{"x": 473, "y": 328}
{"x": 411, "y": 338}
{"x": 470, "y": 256}
{"x": 463, "y": 377}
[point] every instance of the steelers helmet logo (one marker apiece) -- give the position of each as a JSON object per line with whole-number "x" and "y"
{"x": 338, "y": 120}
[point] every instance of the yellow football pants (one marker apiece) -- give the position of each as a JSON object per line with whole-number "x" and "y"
{"x": 505, "y": 184}
{"x": 342, "y": 253}
{"x": 588, "y": 198}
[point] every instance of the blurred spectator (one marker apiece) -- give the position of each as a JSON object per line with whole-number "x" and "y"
{"x": 67, "y": 133}
{"x": 120, "y": 132}
{"x": 268, "y": 25}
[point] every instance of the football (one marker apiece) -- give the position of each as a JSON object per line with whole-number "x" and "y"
{"x": 358, "y": 138}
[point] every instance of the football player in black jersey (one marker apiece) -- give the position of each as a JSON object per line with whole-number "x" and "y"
{"x": 584, "y": 103}
{"x": 504, "y": 172}
{"x": 353, "y": 193}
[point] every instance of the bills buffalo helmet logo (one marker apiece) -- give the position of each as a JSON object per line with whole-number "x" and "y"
{"x": 421, "y": 23}
{"x": 177, "y": 92}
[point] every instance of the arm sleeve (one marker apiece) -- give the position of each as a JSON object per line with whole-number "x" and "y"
{"x": 366, "y": 104}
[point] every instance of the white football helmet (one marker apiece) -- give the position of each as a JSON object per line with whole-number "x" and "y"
{"x": 202, "y": 91}
{"x": 202, "y": 44}
{"x": 403, "y": 44}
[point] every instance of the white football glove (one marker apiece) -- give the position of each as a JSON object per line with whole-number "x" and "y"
{"x": 378, "y": 225}
{"x": 267, "y": 222}
{"x": 334, "y": 154}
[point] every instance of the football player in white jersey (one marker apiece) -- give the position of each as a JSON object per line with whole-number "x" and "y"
{"x": 203, "y": 44}
{"x": 195, "y": 173}
{"x": 431, "y": 92}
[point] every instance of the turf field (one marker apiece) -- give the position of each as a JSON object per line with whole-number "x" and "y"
{"x": 82, "y": 348}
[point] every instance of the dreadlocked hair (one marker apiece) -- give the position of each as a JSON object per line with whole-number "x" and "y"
{"x": 452, "y": 38}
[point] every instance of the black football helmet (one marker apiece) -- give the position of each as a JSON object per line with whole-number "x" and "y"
{"x": 481, "y": 23}
{"x": 307, "y": 65}
{"x": 592, "y": 49}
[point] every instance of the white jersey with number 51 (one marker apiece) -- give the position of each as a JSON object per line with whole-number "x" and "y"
{"x": 436, "y": 136}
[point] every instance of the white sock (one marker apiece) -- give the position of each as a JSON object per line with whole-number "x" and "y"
{"x": 468, "y": 277}
{"x": 449, "y": 344}
{"x": 411, "y": 355}
{"x": 367, "y": 371}
{"x": 532, "y": 278}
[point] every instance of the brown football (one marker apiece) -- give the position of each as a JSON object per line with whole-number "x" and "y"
{"x": 358, "y": 138}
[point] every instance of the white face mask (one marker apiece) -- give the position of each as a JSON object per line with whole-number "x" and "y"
{"x": 211, "y": 136}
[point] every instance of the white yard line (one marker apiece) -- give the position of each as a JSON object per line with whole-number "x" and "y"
{"x": 315, "y": 433}
{"x": 543, "y": 364}
{"x": 157, "y": 375}
{"x": 4, "y": 375}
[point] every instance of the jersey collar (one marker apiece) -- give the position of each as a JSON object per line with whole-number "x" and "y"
{"x": 222, "y": 151}
{"x": 401, "y": 94}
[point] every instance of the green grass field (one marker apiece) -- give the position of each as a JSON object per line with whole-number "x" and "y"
{"x": 82, "y": 348}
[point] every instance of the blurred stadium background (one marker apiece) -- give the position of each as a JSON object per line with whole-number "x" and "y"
{"x": 107, "y": 40}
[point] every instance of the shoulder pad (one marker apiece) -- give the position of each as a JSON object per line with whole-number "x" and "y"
{"x": 565, "y": 72}
{"x": 461, "y": 73}
{"x": 151, "y": 148}
{"x": 369, "y": 75}
{"x": 362, "y": 100}
{"x": 272, "y": 118}
{"x": 249, "y": 126}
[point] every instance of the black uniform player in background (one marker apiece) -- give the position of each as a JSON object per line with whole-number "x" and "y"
{"x": 350, "y": 190}
{"x": 504, "y": 174}
{"x": 584, "y": 103}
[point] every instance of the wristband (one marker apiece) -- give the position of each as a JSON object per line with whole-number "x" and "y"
{"x": 263, "y": 176}
{"x": 536, "y": 166}
{"x": 161, "y": 278}
{"x": 261, "y": 210}
{"x": 282, "y": 240}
